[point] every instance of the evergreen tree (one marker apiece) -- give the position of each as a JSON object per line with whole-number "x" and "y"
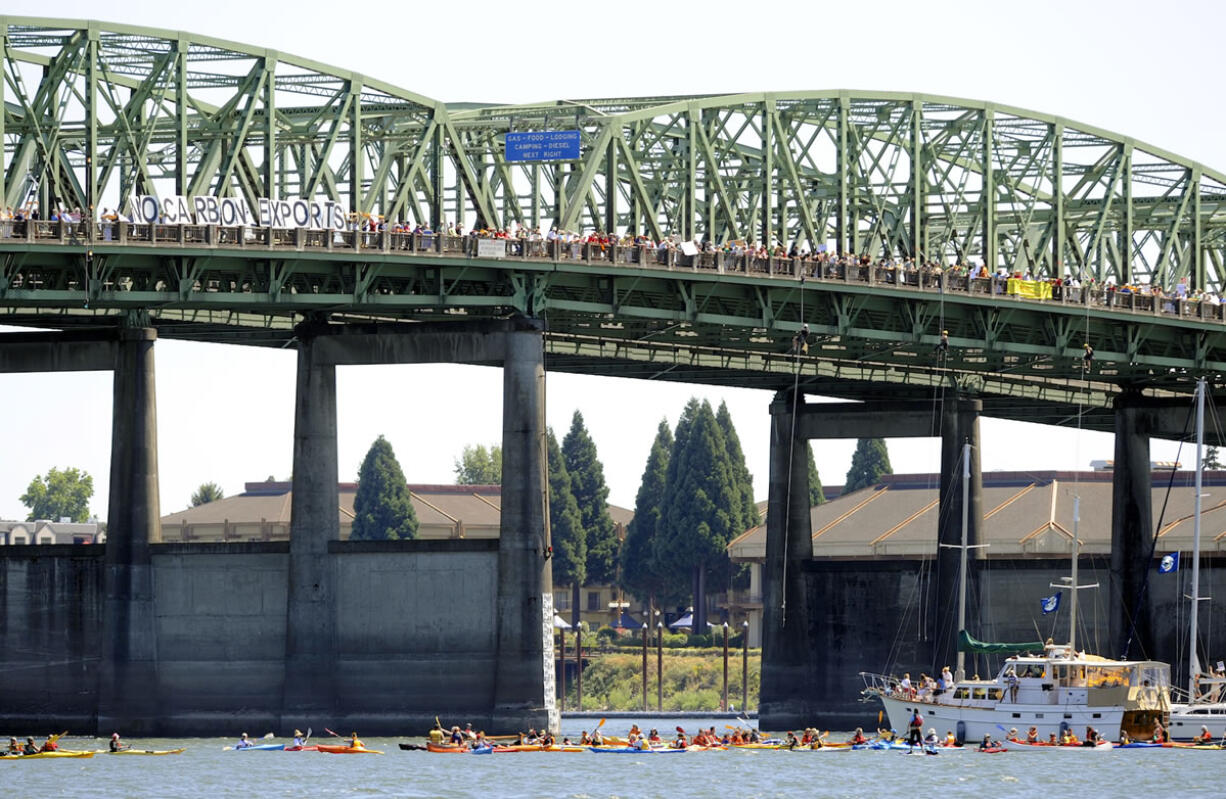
{"x": 639, "y": 574}
{"x": 382, "y": 509}
{"x": 479, "y": 466}
{"x": 870, "y": 461}
{"x": 1210, "y": 461}
{"x": 701, "y": 506}
{"x": 207, "y": 492}
{"x": 591, "y": 493}
{"x": 816, "y": 495}
{"x": 744, "y": 480}
{"x": 565, "y": 528}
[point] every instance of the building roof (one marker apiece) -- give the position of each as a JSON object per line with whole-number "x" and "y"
{"x": 1025, "y": 514}
{"x": 462, "y": 507}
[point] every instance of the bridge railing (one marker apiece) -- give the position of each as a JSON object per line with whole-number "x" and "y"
{"x": 74, "y": 233}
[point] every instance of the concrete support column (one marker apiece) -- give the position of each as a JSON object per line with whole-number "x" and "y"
{"x": 523, "y": 683}
{"x": 790, "y": 666}
{"x": 128, "y": 690}
{"x": 1131, "y": 628}
{"x": 959, "y": 425}
{"x": 310, "y": 644}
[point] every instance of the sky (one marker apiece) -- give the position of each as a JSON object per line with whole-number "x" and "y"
{"x": 225, "y": 413}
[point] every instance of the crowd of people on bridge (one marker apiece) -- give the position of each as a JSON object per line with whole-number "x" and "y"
{"x": 743, "y": 255}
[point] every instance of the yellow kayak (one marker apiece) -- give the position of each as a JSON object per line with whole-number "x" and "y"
{"x": 46, "y": 755}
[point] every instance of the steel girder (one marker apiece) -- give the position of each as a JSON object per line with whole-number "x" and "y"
{"x": 95, "y": 112}
{"x": 638, "y": 320}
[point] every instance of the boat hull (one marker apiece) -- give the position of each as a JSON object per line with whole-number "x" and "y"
{"x": 974, "y": 722}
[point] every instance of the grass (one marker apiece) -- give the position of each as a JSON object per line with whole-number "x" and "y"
{"x": 693, "y": 680}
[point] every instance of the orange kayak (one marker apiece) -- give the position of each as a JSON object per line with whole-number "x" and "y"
{"x": 447, "y": 749}
{"x": 348, "y": 750}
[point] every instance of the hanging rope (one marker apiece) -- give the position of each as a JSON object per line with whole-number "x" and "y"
{"x": 799, "y": 343}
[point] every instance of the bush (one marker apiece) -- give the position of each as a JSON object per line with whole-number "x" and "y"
{"x": 692, "y": 682}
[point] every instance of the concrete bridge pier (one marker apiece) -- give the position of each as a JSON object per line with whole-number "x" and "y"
{"x": 524, "y": 671}
{"x": 959, "y": 426}
{"x": 128, "y": 696}
{"x": 310, "y": 645}
{"x": 790, "y": 663}
{"x": 1131, "y": 630}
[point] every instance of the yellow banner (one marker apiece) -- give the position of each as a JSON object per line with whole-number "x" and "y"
{"x": 1031, "y": 289}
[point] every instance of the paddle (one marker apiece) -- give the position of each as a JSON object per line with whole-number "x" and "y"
{"x": 268, "y": 736}
{"x": 337, "y": 735}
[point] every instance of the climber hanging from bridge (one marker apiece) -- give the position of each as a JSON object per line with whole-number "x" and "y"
{"x": 800, "y": 341}
{"x": 1087, "y": 360}
{"x": 942, "y": 347}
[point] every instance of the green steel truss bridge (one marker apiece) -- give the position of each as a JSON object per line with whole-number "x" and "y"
{"x": 94, "y": 114}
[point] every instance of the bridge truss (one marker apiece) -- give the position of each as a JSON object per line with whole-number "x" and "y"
{"x": 95, "y": 112}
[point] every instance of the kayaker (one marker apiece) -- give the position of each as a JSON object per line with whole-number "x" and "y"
{"x": 457, "y": 737}
{"x": 1159, "y": 732}
{"x": 1091, "y": 737}
{"x": 1124, "y": 739}
{"x": 14, "y": 747}
{"x": 30, "y": 748}
{"x": 654, "y": 736}
{"x": 354, "y": 743}
{"x": 858, "y": 737}
{"x": 546, "y": 739}
{"x": 299, "y": 741}
{"x": 468, "y": 731}
{"x": 679, "y": 742}
{"x": 596, "y": 738}
{"x": 243, "y": 742}
{"x": 584, "y": 738}
{"x": 479, "y": 741}
{"x": 1032, "y": 735}
{"x": 986, "y": 743}
{"x": 436, "y": 733}
{"x": 50, "y": 745}
{"x": 116, "y": 744}
{"x": 1205, "y": 736}
{"x": 791, "y": 742}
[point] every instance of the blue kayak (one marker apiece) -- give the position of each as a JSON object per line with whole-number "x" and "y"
{"x": 260, "y": 748}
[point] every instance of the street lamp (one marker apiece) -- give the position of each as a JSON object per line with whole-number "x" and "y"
{"x": 645, "y": 633}
{"x": 745, "y": 666}
{"x": 659, "y": 664}
{"x": 723, "y": 698}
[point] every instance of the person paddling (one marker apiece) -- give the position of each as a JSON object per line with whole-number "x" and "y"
{"x": 116, "y": 744}
{"x": 243, "y": 742}
{"x": 30, "y": 748}
{"x": 50, "y": 745}
{"x": 436, "y": 733}
{"x": 354, "y": 742}
{"x": 299, "y": 741}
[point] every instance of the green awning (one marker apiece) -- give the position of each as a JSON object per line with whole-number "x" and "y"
{"x": 968, "y": 644}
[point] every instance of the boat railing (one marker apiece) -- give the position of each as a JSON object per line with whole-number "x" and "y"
{"x": 879, "y": 684}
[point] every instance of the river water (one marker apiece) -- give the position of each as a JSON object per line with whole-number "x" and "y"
{"x": 205, "y": 770}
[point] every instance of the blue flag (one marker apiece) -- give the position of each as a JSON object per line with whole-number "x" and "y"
{"x": 1051, "y": 603}
{"x": 1169, "y": 563}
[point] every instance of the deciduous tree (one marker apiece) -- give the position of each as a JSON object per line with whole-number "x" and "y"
{"x": 63, "y": 493}
{"x": 479, "y": 466}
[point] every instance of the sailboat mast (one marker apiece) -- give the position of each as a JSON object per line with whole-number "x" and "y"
{"x": 960, "y": 675}
{"x": 1072, "y": 622}
{"x": 1193, "y": 660}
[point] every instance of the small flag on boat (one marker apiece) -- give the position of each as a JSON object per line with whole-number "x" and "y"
{"x": 1169, "y": 563}
{"x": 1051, "y": 603}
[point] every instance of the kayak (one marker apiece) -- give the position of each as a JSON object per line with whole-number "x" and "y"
{"x": 348, "y": 750}
{"x": 144, "y": 752}
{"x": 257, "y": 748}
{"x": 446, "y": 749}
{"x": 311, "y": 748}
{"x": 1189, "y": 745}
{"x": 630, "y": 750}
{"x": 1023, "y": 746}
{"x": 1141, "y": 745}
{"x": 46, "y": 755}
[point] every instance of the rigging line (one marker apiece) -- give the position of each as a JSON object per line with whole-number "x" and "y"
{"x": 1153, "y": 544}
{"x": 787, "y": 504}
